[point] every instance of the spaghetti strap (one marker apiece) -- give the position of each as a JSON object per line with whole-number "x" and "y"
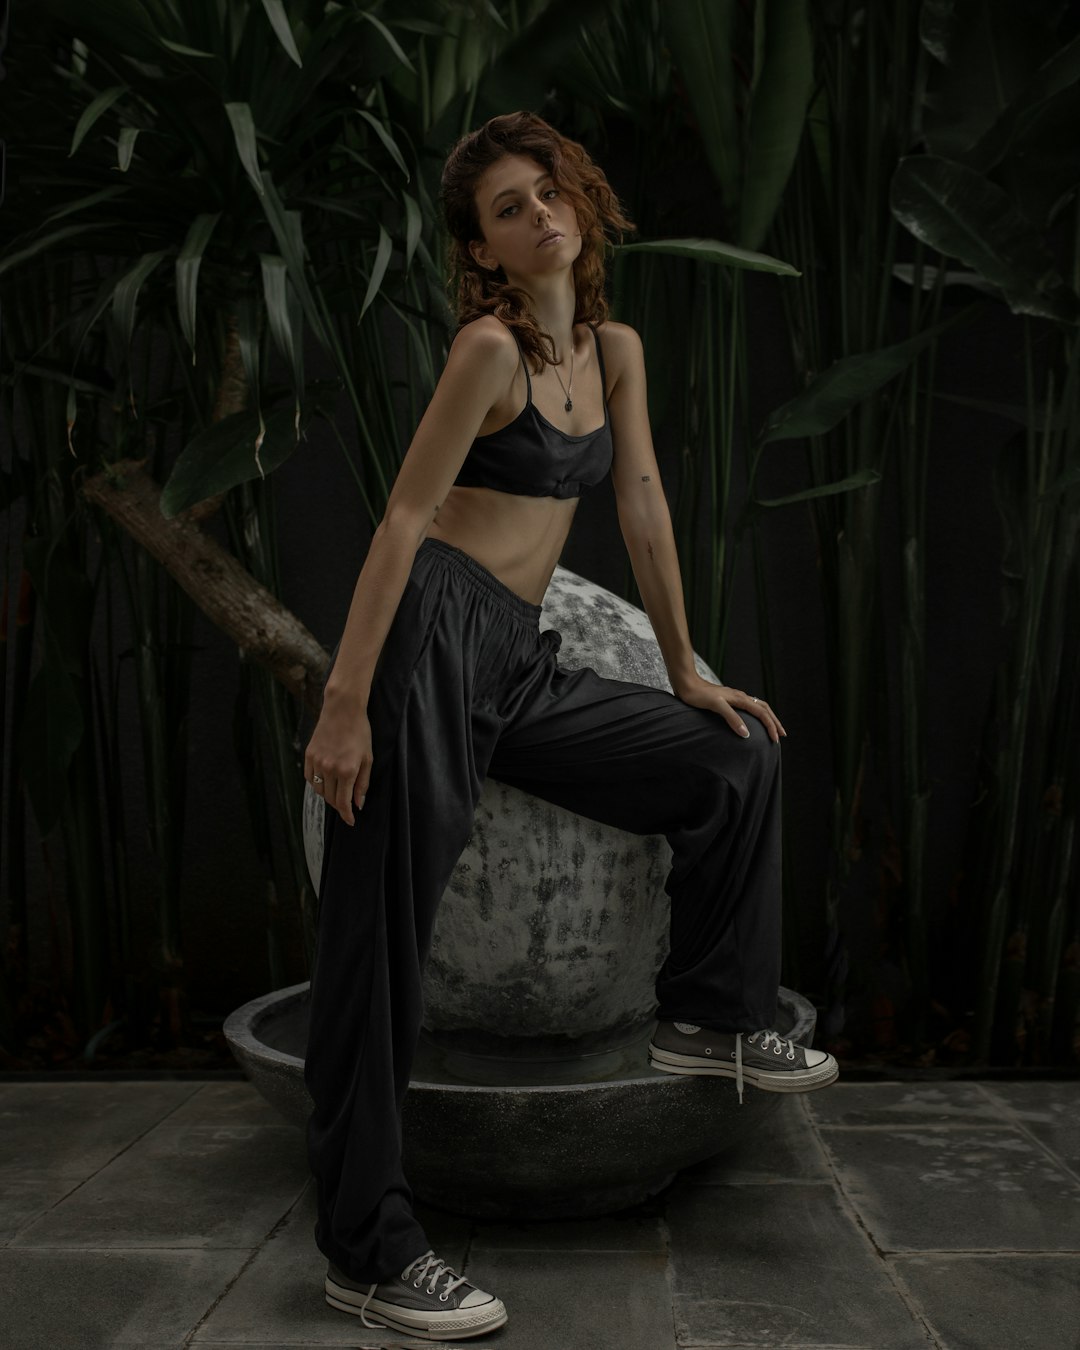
{"x": 600, "y": 358}
{"x": 528, "y": 378}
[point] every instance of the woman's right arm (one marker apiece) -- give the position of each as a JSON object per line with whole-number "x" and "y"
{"x": 482, "y": 363}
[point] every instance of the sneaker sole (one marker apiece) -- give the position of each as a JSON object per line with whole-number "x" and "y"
{"x": 453, "y": 1325}
{"x": 769, "y": 1080}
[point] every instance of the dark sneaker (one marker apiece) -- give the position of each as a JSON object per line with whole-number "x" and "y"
{"x": 763, "y": 1058}
{"x": 427, "y": 1300}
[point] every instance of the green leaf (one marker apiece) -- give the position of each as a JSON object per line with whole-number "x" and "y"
{"x": 51, "y": 732}
{"x": 46, "y": 241}
{"x": 905, "y": 272}
{"x": 183, "y": 50}
{"x": 60, "y": 375}
{"x": 243, "y": 126}
{"x": 125, "y": 26}
{"x": 287, "y": 229}
{"x": 701, "y": 36}
{"x": 1055, "y": 77}
{"x": 125, "y": 147}
{"x": 864, "y": 478}
{"x": 104, "y": 195}
{"x": 100, "y": 105}
{"x": 713, "y": 251}
{"x": 985, "y": 53}
{"x": 382, "y": 259}
{"x": 1013, "y": 412}
{"x": 413, "y": 225}
{"x": 960, "y": 213}
{"x": 387, "y": 140}
{"x": 127, "y": 293}
{"x": 248, "y": 324}
{"x": 187, "y": 272}
{"x": 391, "y": 40}
{"x": 286, "y": 324}
{"x": 782, "y": 89}
{"x": 527, "y": 64}
{"x": 833, "y": 393}
{"x": 226, "y": 454}
{"x": 279, "y": 21}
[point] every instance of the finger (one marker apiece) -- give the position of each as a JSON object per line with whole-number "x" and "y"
{"x": 339, "y": 798}
{"x": 360, "y": 787}
{"x": 765, "y": 714}
{"x": 735, "y": 722}
{"x": 768, "y": 721}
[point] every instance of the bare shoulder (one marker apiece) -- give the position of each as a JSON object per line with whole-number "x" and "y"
{"x": 624, "y": 356}
{"x": 485, "y": 341}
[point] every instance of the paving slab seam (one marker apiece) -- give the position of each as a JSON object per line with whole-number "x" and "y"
{"x": 467, "y": 1257}
{"x": 252, "y": 1254}
{"x": 36, "y": 1218}
{"x": 1018, "y": 1123}
{"x": 938, "y": 1127}
{"x": 570, "y": 1251}
{"x": 115, "y": 1247}
{"x": 1069, "y": 1253}
{"x": 764, "y": 1181}
{"x": 669, "y": 1272}
{"x": 33, "y": 1218}
{"x": 915, "y": 1310}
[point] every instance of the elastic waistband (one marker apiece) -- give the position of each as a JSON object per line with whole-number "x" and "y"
{"x": 480, "y": 576}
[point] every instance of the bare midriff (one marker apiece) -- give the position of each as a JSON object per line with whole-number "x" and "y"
{"x": 518, "y": 539}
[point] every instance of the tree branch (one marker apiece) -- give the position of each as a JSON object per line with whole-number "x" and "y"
{"x": 229, "y": 596}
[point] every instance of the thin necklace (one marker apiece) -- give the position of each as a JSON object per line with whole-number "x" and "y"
{"x": 569, "y": 404}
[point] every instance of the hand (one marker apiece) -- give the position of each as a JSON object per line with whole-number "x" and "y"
{"x": 339, "y": 754}
{"x": 723, "y": 699}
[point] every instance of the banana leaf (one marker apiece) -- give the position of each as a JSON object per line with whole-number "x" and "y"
{"x": 228, "y": 453}
{"x": 712, "y": 251}
{"x": 832, "y": 395}
{"x": 959, "y": 212}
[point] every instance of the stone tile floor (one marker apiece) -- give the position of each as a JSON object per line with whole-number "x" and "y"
{"x": 165, "y": 1214}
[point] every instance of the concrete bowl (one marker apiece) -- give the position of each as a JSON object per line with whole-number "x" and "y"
{"x": 583, "y": 1136}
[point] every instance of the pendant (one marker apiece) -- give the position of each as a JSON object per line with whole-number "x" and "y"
{"x": 568, "y": 405}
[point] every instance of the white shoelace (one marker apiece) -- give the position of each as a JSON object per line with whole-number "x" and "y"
{"x": 767, "y": 1037}
{"x": 426, "y": 1267}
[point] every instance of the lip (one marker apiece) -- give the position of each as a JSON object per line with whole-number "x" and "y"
{"x": 549, "y": 236}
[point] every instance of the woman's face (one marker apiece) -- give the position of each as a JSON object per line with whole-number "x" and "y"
{"x": 529, "y": 228}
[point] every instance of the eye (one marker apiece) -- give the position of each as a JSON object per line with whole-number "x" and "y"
{"x": 506, "y": 211}
{"x": 552, "y": 191}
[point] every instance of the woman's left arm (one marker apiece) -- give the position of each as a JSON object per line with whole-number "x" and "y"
{"x": 645, "y": 522}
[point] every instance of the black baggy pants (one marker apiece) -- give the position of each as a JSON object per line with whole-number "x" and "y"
{"x": 467, "y": 686}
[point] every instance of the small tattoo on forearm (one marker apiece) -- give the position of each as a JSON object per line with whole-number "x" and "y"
{"x": 645, "y": 478}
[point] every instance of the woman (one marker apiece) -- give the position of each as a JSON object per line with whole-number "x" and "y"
{"x": 442, "y": 677}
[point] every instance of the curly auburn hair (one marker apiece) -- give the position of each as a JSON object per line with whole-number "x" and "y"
{"x": 476, "y": 291}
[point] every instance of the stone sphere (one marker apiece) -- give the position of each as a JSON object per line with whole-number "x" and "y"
{"x": 553, "y": 926}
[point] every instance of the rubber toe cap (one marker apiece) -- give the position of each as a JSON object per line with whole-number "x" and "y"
{"x": 476, "y": 1298}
